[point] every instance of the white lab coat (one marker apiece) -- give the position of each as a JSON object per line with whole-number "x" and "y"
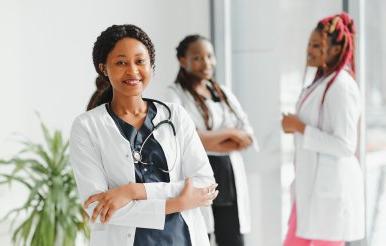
{"x": 101, "y": 159}
{"x": 329, "y": 188}
{"x": 176, "y": 94}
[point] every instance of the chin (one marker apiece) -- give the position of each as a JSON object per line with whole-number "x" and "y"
{"x": 132, "y": 93}
{"x": 206, "y": 77}
{"x": 313, "y": 64}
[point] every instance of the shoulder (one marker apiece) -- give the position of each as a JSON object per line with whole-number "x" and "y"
{"x": 228, "y": 92}
{"x": 231, "y": 97}
{"x": 176, "y": 109}
{"x": 174, "y": 87}
{"x": 345, "y": 84}
{"x": 174, "y": 93}
{"x": 88, "y": 117}
{"x": 178, "y": 114}
{"x": 226, "y": 89}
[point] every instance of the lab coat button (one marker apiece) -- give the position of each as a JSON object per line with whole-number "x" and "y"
{"x": 129, "y": 235}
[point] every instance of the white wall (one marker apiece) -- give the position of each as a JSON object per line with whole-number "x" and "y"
{"x": 46, "y": 62}
{"x": 46, "y": 53}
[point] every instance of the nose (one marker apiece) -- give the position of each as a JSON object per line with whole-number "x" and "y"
{"x": 132, "y": 69}
{"x": 207, "y": 62}
{"x": 309, "y": 49}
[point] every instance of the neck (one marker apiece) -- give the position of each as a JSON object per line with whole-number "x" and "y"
{"x": 201, "y": 84}
{"x": 133, "y": 105}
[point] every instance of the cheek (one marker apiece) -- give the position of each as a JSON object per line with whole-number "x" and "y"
{"x": 194, "y": 66}
{"x": 147, "y": 73}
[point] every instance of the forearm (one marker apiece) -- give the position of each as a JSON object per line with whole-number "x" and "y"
{"x": 173, "y": 205}
{"x": 136, "y": 191}
{"x": 323, "y": 142}
{"x": 144, "y": 213}
{"x": 213, "y": 138}
{"x": 227, "y": 146}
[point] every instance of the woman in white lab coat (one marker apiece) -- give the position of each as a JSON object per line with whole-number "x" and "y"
{"x": 328, "y": 189}
{"x": 131, "y": 155}
{"x": 224, "y": 130}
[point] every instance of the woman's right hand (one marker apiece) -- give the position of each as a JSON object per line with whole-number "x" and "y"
{"x": 192, "y": 197}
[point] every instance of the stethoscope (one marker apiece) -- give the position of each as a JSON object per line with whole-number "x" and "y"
{"x": 137, "y": 154}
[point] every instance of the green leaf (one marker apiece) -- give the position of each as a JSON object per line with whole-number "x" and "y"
{"x": 52, "y": 203}
{"x": 24, "y": 230}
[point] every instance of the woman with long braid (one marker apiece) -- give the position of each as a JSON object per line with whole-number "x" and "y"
{"x": 328, "y": 207}
{"x": 224, "y": 130}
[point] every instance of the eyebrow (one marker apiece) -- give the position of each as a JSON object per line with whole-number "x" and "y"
{"x": 138, "y": 54}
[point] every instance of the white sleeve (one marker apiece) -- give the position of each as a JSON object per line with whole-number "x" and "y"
{"x": 194, "y": 161}
{"x": 90, "y": 179}
{"x": 342, "y": 109}
{"x": 243, "y": 117}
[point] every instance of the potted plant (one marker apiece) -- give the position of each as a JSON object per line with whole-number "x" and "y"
{"x": 54, "y": 215}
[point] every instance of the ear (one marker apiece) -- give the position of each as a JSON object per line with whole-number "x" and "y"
{"x": 102, "y": 68}
{"x": 183, "y": 62}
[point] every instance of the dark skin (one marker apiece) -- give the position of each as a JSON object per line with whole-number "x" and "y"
{"x": 200, "y": 61}
{"x": 129, "y": 71}
{"x": 317, "y": 56}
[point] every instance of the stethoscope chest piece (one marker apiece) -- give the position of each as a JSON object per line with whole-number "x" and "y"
{"x": 137, "y": 156}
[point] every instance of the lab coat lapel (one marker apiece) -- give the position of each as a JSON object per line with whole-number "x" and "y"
{"x": 119, "y": 145}
{"x": 164, "y": 135}
{"x": 315, "y": 97}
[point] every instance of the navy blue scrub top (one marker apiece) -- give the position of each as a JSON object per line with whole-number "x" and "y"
{"x": 176, "y": 231}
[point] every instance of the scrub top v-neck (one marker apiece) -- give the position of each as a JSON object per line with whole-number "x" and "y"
{"x": 175, "y": 231}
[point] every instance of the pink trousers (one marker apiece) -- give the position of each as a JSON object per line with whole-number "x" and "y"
{"x": 293, "y": 240}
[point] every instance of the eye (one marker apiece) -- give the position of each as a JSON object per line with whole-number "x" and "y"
{"x": 196, "y": 58}
{"x": 121, "y": 63}
{"x": 141, "y": 61}
{"x": 316, "y": 46}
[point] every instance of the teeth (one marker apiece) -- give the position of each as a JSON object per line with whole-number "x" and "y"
{"x": 131, "y": 82}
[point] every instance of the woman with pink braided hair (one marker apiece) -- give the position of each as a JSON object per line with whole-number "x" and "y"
{"x": 328, "y": 191}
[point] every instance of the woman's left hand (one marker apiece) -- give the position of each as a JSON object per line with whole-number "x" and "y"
{"x": 291, "y": 124}
{"x": 109, "y": 202}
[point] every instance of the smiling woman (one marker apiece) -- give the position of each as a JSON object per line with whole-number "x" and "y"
{"x": 328, "y": 202}
{"x": 224, "y": 130}
{"x": 141, "y": 184}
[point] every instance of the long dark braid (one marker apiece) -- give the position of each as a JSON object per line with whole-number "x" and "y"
{"x": 188, "y": 81}
{"x": 102, "y": 47}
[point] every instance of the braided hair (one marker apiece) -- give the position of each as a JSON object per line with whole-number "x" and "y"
{"x": 338, "y": 30}
{"x": 103, "y": 46}
{"x": 189, "y": 81}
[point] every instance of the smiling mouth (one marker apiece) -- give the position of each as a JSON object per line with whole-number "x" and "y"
{"x": 131, "y": 82}
{"x": 207, "y": 72}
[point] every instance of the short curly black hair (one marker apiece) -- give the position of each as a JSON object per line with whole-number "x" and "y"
{"x": 109, "y": 37}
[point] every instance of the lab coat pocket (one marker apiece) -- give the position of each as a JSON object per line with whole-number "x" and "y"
{"x": 328, "y": 181}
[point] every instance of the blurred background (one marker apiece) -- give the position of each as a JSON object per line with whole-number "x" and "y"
{"x": 46, "y": 66}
